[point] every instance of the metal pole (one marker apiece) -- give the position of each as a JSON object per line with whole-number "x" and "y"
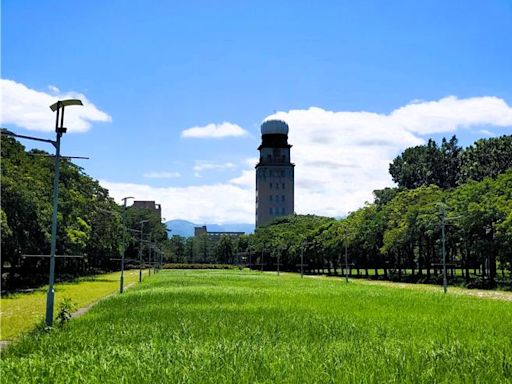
{"x": 140, "y": 251}
{"x": 346, "y": 261}
{"x": 262, "y": 250}
{"x": 150, "y": 251}
{"x": 121, "y": 284}
{"x": 443, "y": 222}
{"x": 278, "y": 254}
{"x": 302, "y": 261}
{"x": 51, "y": 291}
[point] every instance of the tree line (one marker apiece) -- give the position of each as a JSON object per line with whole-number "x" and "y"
{"x": 399, "y": 235}
{"x": 90, "y": 223}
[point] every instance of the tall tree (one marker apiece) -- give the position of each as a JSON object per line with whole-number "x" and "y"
{"x": 486, "y": 158}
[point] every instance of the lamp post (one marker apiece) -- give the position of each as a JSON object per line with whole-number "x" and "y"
{"x": 161, "y": 252}
{"x": 59, "y": 131}
{"x": 150, "y": 251}
{"x": 346, "y": 257}
{"x": 278, "y": 263}
{"x": 444, "y": 219}
{"x": 142, "y": 222}
{"x": 302, "y": 260}
{"x": 121, "y": 286}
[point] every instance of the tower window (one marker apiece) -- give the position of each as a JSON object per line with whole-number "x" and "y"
{"x": 271, "y": 211}
{"x": 282, "y": 198}
{"x": 282, "y": 186}
{"x": 271, "y": 185}
{"x": 270, "y": 197}
{"x": 282, "y": 210}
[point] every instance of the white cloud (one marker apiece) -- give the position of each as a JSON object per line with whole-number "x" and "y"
{"x": 487, "y": 133}
{"x": 53, "y": 89}
{"x": 219, "y": 203}
{"x": 450, "y": 113}
{"x": 340, "y": 157}
{"x": 209, "y": 166}
{"x": 203, "y": 165}
{"x": 214, "y": 131}
{"x": 247, "y": 179}
{"x": 28, "y": 108}
{"x": 162, "y": 175}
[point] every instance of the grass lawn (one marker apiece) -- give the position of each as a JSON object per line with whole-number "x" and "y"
{"x": 184, "y": 326}
{"x": 21, "y": 312}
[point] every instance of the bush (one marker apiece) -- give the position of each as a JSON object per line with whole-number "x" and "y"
{"x": 66, "y": 309}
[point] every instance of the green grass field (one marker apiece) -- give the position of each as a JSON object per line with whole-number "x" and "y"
{"x": 22, "y": 312}
{"x": 248, "y": 327}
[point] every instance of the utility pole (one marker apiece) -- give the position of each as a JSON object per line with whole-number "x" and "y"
{"x": 121, "y": 287}
{"x": 444, "y": 219}
{"x": 302, "y": 261}
{"x": 346, "y": 257}
{"x": 140, "y": 248}
{"x": 278, "y": 264}
{"x": 443, "y": 224}
{"x": 150, "y": 250}
{"x": 59, "y": 130}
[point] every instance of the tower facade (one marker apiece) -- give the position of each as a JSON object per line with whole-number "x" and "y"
{"x": 274, "y": 174}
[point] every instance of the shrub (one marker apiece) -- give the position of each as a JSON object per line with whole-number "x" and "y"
{"x": 66, "y": 309}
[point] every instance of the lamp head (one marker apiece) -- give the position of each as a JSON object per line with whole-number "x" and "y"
{"x": 65, "y": 103}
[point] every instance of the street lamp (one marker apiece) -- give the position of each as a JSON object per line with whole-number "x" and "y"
{"x": 142, "y": 222}
{"x": 59, "y": 131}
{"x": 444, "y": 219}
{"x": 346, "y": 256}
{"x": 121, "y": 287}
{"x": 302, "y": 260}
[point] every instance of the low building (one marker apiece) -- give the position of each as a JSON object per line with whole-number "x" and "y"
{"x": 151, "y": 205}
{"x": 215, "y": 236}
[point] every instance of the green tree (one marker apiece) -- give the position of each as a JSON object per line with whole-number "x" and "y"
{"x": 486, "y": 158}
{"x": 428, "y": 164}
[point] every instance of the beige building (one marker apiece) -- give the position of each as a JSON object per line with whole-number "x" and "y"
{"x": 274, "y": 174}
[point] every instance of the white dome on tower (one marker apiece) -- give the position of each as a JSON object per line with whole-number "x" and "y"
{"x": 273, "y": 127}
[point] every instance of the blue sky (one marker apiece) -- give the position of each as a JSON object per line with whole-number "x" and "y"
{"x": 153, "y": 69}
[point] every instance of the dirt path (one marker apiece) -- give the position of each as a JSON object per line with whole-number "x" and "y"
{"x": 81, "y": 311}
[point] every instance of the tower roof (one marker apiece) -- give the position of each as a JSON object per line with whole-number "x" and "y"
{"x": 274, "y": 127}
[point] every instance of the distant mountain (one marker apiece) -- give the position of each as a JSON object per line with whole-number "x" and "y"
{"x": 235, "y": 227}
{"x": 181, "y": 228}
{"x": 186, "y": 228}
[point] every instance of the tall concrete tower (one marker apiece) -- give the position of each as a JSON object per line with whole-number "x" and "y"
{"x": 274, "y": 174}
